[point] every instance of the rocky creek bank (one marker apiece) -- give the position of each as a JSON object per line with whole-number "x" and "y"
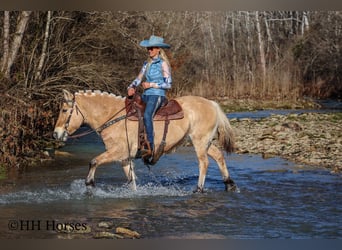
{"x": 311, "y": 138}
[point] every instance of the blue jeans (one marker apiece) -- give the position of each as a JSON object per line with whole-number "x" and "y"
{"x": 153, "y": 103}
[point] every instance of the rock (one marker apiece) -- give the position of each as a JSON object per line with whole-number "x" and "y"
{"x": 266, "y": 155}
{"x": 242, "y": 151}
{"x": 62, "y": 153}
{"x": 293, "y": 125}
{"x": 104, "y": 224}
{"x": 266, "y": 136}
{"x": 107, "y": 235}
{"x": 127, "y": 232}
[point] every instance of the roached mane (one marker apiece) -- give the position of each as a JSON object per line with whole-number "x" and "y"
{"x": 98, "y": 93}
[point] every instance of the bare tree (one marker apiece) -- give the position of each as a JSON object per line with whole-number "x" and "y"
{"x": 18, "y": 36}
{"x": 45, "y": 43}
{"x": 6, "y": 40}
{"x": 234, "y": 48}
{"x": 248, "y": 55}
{"x": 305, "y": 23}
{"x": 261, "y": 46}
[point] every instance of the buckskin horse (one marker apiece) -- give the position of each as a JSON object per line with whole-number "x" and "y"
{"x": 203, "y": 122}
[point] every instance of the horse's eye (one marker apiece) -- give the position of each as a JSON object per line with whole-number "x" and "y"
{"x": 64, "y": 110}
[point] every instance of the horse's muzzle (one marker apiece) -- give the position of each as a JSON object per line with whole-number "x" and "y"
{"x": 60, "y": 134}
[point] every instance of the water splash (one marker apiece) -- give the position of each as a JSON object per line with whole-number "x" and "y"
{"x": 78, "y": 191}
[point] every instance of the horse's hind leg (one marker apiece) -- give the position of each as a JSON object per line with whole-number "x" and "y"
{"x": 128, "y": 167}
{"x": 203, "y": 162}
{"x": 218, "y": 156}
{"x": 203, "y": 168}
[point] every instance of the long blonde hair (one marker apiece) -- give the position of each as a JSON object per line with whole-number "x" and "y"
{"x": 162, "y": 55}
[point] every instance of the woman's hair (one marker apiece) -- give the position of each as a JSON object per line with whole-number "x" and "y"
{"x": 162, "y": 55}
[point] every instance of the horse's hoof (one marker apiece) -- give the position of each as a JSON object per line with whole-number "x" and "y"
{"x": 230, "y": 185}
{"x": 198, "y": 190}
{"x": 232, "y": 188}
{"x": 90, "y": 183}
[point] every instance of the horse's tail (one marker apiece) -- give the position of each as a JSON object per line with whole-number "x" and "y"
{"x": 225, "y": 131}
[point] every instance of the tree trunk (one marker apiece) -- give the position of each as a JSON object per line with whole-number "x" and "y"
{"x": 24, "y": 17}
{"x": 305, "y": 23}
{"x": 6, "y": 40}
{"x": 43, "y": 54}
{"x": 268, "y": 32}
{"x": 234, "y": 50}
{"x": 248, "y": 56}
{"x": 261, "y": 46}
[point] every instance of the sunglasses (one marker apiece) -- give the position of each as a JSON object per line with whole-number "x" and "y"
{"x": 152, "y": 48}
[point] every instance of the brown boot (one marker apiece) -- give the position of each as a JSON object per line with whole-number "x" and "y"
{"x": 147, "y": 150}
{"x": 147, "y": 153}
{"x": 144, "y": 152}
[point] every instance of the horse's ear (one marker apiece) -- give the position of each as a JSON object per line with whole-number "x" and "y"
{"x": 68, "y": 97}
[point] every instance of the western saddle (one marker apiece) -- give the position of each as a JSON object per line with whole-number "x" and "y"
{"x": 170, "y": 110}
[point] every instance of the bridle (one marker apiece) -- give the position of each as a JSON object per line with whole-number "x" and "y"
{"x": 66, "y": 125}
{"x": 73, "y": 107}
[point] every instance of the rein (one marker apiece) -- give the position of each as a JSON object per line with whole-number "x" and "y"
{"x": 110, "y": 122}
{"x": 107, "y": 124}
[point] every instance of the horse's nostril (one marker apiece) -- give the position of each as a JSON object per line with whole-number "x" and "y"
{"x": 55, "y": 135}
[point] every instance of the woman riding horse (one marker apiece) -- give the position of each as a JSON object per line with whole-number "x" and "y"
{"x": 157, "y": 71}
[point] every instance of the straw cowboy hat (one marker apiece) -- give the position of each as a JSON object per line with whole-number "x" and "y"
{"x": 154, "y": 41}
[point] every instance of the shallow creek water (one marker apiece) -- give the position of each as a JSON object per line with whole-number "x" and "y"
{"x": 276, "y": 198}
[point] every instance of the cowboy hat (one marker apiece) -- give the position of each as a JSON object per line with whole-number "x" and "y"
{"x": 154, "y": 41}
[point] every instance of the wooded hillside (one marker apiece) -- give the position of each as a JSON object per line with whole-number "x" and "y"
{"x": 276, "y": 55}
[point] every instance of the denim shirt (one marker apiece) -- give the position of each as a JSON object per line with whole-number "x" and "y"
{"x": 156, "y": 72}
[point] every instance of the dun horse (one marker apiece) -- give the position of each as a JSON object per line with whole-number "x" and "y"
{"x": 204, "y": 123}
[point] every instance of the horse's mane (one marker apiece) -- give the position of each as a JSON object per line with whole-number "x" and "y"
{"x": 98, "y": 93}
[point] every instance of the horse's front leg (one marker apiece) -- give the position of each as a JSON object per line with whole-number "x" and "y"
{"x": 128, "y": 167}
{"x": 90, "y": 180}
{"x": 103, "y": 158}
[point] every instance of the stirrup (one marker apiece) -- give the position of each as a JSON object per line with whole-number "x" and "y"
{"x": 148, "y": 158}
{"x": 148, "y": 153}
{"x": 145, "y": 152}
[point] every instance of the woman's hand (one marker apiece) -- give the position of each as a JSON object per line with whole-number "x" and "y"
{"x": 147, "y": 85}
{"x": 130, "y": 91}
